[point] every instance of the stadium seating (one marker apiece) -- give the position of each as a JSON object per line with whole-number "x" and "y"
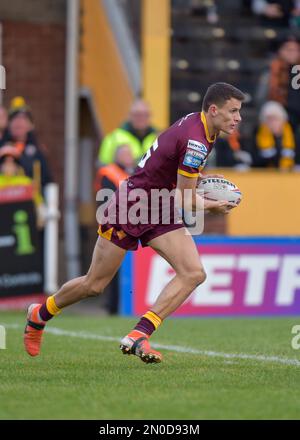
{"x": 236, "y": 49}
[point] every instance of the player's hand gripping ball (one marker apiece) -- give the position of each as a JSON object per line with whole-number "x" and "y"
{"x": 216, "y": 189}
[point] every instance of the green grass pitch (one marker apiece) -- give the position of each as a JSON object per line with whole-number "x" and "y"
{"x": 81, "y": 376}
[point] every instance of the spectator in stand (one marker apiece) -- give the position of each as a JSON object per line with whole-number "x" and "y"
{"x": 22, "y": 136}
{"x": 278, "y": 13}
{"x": 3, "y": 125}
{"x": 281, "y": 85}
{"x": 109, "y": 176}
{"x": 12, "y": 175}
{"x": 229, "y": 152}
{"x": 278, "y": 85}
{"x": 137, "y": 133}
{"x": 275, "y": 141}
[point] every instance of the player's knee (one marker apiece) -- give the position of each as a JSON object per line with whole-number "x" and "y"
{"x": 197, "y": 276}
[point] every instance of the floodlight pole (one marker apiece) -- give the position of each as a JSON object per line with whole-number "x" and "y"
{"x": 71, "y": 225}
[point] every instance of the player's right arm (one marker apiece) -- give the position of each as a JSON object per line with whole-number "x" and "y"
{"x": 190, "y": 164}
{"x": 188, "y": 199}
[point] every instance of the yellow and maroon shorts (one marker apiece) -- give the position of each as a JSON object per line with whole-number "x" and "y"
{"x": 128, "y": 236}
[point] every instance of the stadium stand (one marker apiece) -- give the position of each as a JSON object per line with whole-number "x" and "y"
{"x": 236, "y": 49}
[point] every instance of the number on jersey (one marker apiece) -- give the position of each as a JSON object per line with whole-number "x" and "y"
{"x": 147, "y": 155}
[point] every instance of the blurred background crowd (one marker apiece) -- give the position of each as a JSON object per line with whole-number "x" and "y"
{"x": 254, "y": 45}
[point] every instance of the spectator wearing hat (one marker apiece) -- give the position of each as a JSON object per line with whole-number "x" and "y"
{"x": 22, "y": 136}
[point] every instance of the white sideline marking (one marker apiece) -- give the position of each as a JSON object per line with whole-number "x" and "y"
{"x": 84, "y": 335}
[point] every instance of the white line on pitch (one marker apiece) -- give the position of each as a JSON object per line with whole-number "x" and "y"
{"x": 177, "y": 348}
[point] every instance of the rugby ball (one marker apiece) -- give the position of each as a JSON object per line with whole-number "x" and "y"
{"x": 216, "y": 188}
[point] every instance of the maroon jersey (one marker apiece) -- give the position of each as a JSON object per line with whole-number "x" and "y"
{"x": 183, "y": 148}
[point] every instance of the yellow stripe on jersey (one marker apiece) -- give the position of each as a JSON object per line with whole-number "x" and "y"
{"x": 204, "y": 122}
{"x": 186, "y": 174}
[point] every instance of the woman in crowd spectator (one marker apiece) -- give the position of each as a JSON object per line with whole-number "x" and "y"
{"x": 275, "y": 141}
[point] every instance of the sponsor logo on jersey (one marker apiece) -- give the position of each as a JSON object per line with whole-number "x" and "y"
{"x": 198, "y": 146}
{"x": 193, "y": 161}
{"x": 195, "y": 153}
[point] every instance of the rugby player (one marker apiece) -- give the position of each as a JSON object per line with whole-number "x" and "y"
{"x": 175, "y": 160}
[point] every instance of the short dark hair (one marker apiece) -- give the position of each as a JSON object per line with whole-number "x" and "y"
{"x": 219, "y": 93}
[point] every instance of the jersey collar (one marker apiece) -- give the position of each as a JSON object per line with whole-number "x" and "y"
{"x": 204, "y": 122}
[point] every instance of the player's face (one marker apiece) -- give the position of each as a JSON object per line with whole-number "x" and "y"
{"x": 228, "y": 116}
